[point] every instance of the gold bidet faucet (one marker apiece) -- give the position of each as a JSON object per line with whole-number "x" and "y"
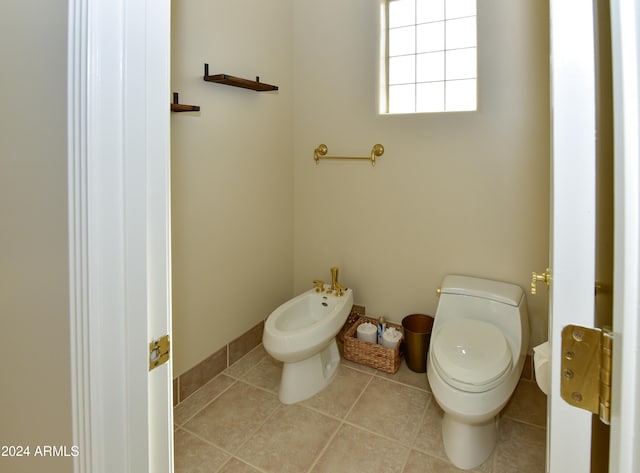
{"x": 335, "y": 286}
{"x": 334, "y": 278}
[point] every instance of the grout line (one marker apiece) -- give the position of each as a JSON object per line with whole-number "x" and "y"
{"x": 342, "y": 421}
{"x": 414, "y": 437}
{"x": 386, "y": 376}
{"x": 319, "y": 411}
{"x": 205, "y": 440}
{"x": 325, "y": 448}
{"x": 358, "y": 398}
{"x": 223, "y": 450}
{"x": 244, "y": 462}
{"x": 228, "y": 370}
{"x": 255, "y": 431}
{"x": 524, "y": 422}
{"x": 426, "y": 391}
{"x": 342, "y": 418}
{"x": 209, "y": 401}
{"x": 377, "y": 434}
{"x": 257, "y": 386}
{"x": 201, "y": 387}
{"x": 406, "y": 459}
{"x": 494, "y": 458}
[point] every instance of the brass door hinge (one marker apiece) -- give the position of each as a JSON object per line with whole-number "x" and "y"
{"x": 586, "y": 369}
{"x": 159, "y": 352}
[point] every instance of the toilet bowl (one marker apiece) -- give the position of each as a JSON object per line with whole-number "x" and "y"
{"x": 301, "y": 334}
{"x": 478, "y": 347}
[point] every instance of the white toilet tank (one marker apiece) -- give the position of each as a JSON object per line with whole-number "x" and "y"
{"x": 498, "y": 303}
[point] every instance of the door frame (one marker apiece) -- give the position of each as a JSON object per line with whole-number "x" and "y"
{"x": 119, "y": 233}
{"x": 625, "y": 409}
{"x": 569, "y": 440}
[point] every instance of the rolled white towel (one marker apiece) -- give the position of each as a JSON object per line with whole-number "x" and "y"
{"x": 367, "y": 332}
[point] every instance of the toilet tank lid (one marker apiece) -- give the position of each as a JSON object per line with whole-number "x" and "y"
{"x": 487, "y": 289}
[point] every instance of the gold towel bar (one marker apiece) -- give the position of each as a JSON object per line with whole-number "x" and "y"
{"x": 321, "y": 153}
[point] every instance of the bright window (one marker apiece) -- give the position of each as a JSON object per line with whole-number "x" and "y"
{"x": 429, "y": 56}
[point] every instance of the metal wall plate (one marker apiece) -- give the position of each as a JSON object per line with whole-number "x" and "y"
{"x": 159, "y": 352}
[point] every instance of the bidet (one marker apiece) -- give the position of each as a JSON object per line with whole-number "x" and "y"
{"x": 301, "y": 334}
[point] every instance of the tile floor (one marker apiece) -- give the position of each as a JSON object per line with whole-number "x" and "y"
{"x": 366, "y": 421}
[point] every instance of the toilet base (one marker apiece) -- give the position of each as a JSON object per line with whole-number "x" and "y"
{"x": 305, "y": 378}
{"x": 468, "y": 445}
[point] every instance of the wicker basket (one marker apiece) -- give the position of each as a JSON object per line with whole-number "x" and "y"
{"x": 371, "y": 354}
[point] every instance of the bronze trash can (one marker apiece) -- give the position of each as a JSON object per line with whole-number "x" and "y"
{"x": 417, "y": 334}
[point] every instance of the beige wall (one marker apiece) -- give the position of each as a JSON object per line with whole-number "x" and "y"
{"x": 232, "y": 174}
{"x": 460, "y": 193}
{"x": 454, "y": 193}
{"x": 35, "y": 399}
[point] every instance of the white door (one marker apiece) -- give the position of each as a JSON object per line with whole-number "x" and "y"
{"x": 572, "y": 265}
{"x": 119, "y": 212}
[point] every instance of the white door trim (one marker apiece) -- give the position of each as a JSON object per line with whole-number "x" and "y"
{"x": 573, "y": 216}
{"x": 77, "y": 133}
{"x": 118, "y": 168}
{"x": 625, "y": 428}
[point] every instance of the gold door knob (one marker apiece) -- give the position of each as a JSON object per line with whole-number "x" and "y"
{"x": 535, "y": 277}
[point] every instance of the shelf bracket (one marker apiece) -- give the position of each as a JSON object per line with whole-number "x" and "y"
{"x": 176, "y": 106}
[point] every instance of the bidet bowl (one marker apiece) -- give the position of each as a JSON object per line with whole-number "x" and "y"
{"x": 301, "y": 333}
{"x": 306, "y": 324}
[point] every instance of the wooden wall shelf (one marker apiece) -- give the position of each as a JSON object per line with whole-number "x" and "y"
{"x": 179, "y": 107}
{"x": 237, "y": 81}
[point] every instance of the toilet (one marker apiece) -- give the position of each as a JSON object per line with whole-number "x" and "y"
{"x": 478, "y": 347}
{"x": 301, "y": 334}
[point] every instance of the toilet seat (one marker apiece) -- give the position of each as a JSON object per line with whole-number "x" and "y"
{"x": 471, "y": 355}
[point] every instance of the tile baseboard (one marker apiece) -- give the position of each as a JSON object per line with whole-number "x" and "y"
{"x": 527, "y": 370}
{"x": 193, "y": 379}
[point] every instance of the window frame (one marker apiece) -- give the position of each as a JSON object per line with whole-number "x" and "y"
{"x": 384, "y": 101}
